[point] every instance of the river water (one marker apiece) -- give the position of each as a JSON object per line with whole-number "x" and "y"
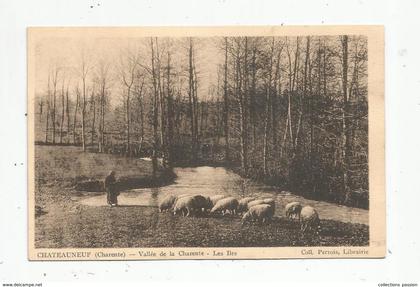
{"x": 209, "y": 181}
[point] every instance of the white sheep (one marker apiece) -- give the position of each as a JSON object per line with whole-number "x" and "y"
{"x": 225, "y": 204}
{"x": 182, "y": 195}
{"x": 183, "y": 205}
{"x": 215, "y": 198}
{"x": 190, "y": 204}
{"x": 309, "y": 219}
{"x": 268, "y": 201}
{"x": 259, "y": 212}
{"x": 293, "y": 210}
{"x": 243, "y": 203}
{"x": 167, "y": 203}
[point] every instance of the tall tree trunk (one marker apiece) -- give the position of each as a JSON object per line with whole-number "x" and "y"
{"x": 142, "y": 123}
{"x": 103, "y": 122}
{"x": 325, "y": 69}
{"x": 195, "y": 110}
{"x": 345, "y": 129}
{"x": 100, "y": 127}
{"x": 161, "y": 100}
{"x": 54, "y": 107}
{"x": 312, "y": 125}
{"x": 102, "y": 110}
{"x": 76, "y": 106}
{"x": 294, "y": 84}
{"x": 190, "y": 94}
{"x": 226, "y": 102}
{"x": 267, "y": 111}
{"x": 202, "y": 118}
{"x": 128, "y": 80}
{"x": 47, "y": 121}
{"x": 284, "y": 137}
{"x": 93, "y": 108}
{"x": 242, "y": 106}
{"x": 83, "y": 115}
{"x": 140, "y": 118}
{"x": 305, "y": 90}
{"x": 155, "y": 112}
{"x": 68, "y": 114}
{"x": 252, "y": 114}
{"x": 41, "y": 105}
{"x": 192, "y": 102}
{"x": 62, "y": 113}
{"x": 278, "y": 93}
{"x": 289, "y": 102}
{"x": 170, "y": 113}
{"x": 352, "y": 89}
{"x": 273, "y": 102}
{"x": 219, "y": 114}
{"x": 128, "y": 121}
{"x": 48, "y": 110}
{"x": 265, "y": 138}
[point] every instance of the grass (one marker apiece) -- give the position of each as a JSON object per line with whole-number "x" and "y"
{"x": 62, "y": 222}
{"x": 135, "y": 226}
{"x": 68, "y": 165}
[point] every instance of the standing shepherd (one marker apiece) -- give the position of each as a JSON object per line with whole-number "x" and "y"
{"x": 110, "y": 189}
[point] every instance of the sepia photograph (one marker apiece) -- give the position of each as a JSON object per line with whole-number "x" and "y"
{"x": 206, "y": 143}
{"x": 209, "y": 143}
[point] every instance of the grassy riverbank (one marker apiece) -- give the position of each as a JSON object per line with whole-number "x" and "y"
{"x": 137, "y": 226}
{"x": 61, "y": 221}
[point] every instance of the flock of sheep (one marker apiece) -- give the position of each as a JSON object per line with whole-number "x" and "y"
{"x": 251, "y": 209}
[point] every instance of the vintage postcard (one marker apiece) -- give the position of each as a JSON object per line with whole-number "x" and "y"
{"x": 206, "y": 143}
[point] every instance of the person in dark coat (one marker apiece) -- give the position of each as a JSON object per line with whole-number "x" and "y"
{"x": 111, "y": 192}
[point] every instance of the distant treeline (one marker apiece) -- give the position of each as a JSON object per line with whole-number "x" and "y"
{"x": 288, "y": 111}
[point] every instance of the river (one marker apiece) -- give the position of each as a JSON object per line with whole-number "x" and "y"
{"x": 209, "y": 181}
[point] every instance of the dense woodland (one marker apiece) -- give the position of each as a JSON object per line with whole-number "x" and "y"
{"x": 290, "y": 111}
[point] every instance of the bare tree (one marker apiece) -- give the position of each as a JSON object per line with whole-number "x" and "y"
{"x": 84, "y": 70}
{"x": 170, "y": 112}
{"x": 76, "y": 106}
{"x": 93, "y": 115}
{"x": 275, "y": 95}
{"x": 293, "y": 92}
{"x": 161, "y": 102}
{"x": 280, "y": 106}
{"x": 293, "y": 67}
{"x": 68, "y": 112}
{"x": 267, "y": 108}
{"x": 129, "y": 64}
{"x": 226, "y": 101}
{"x": 102, "y": 79}
{"x": 139, "y": 91}
{"x": 48, "y": 102}
{"x": 192, "y": 98}
{"x": 155, "y": 110}
{"x": 345, "y": 133}
{"x": 253, "y": 93}
{"x": 62, "y": 111}
{"x": 41, "y": 106}
{"x": 305, "y": 87}
{"x": 54, "y": 78}
{"x": 240, "y": 75}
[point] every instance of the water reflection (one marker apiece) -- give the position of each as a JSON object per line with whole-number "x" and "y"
{"x": 209, "y": 181}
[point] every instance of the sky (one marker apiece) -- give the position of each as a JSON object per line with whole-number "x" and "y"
{"x": 65, "y": 52}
